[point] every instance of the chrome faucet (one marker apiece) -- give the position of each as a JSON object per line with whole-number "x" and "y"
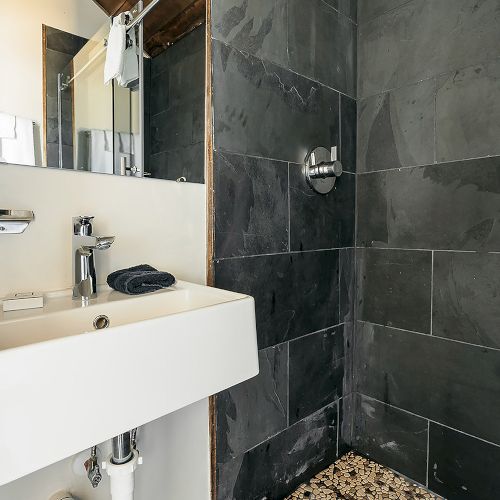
{"x": 84, "y": 244}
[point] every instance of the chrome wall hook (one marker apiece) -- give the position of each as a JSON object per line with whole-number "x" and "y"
{"x": 321, "y": 169}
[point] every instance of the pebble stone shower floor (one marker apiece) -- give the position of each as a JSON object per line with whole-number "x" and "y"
{"x": 353, "y": 477}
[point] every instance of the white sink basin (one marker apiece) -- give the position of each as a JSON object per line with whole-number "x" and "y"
{"x": 65, "y": 386}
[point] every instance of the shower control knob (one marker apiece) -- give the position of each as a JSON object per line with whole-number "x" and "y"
{"x": 321, "y": 169}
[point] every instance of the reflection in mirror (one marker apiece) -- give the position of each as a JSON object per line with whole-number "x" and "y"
{"x": 175, "y": 110}
{"x": 22, "y": 94}
{"x": 149, "y": 126}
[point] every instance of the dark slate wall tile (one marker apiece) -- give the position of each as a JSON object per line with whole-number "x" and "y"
{"x": 192, "y": 44}
{"x": 276, "y": 467}
{"x": 451, "y": 383}
{"x": 251, "y": 205}
{"x": 256, "y": 409}
{"x": 396, "y": 129}
{"x": 322, "y": 44}
{"x": 188, "y": 162}
{"x": 254, "y": 26}
{"x": 348, "y": 130}
{"x": 369, "y": 9}
{"x": 347, "y": 283}
{"x": 295, "y": 294}
{"x": 177, "y": 110}
{"x": 461, "y": 467}
{"x": 468, "y": 113}
{"x": 346, "y": 7}
{"x": 263, "y": 110}
{"x": 62, "y": 41}
{"x": 392, "y": 437}
{"x": 394, "y": 288}
{"x": 158, "y": 93}
{"x": 414, "y": 207}
{"x": 321, "y": 221}
{"x": 467, "y": 297}
{"x": 316, "y": 372}
{"x": 425, "y": 38}
{"x": 346, "y": 423}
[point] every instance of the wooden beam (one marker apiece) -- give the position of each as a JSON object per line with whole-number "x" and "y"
{"x": 191, "y": 17}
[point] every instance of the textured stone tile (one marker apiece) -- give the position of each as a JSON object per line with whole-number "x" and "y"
{"x": 322, "y": 44}
{"x": 191, "y": 45}
{"x": 251, "y": 205}
{"x": 254, "y": 26}
{"x": 159, "y": 93}
{"x": 461, "y": 467}
{"x": 188, "y": 162}
{"x": 346, "y": 7}
{"x": 392, "y": 437}
{"x": 394, "y": 288}
{"x": 467, "y": 297}
{"x": 293, "y": 293}
{"x": 321, "y": 221}
{"x": 316, "y": 372}
{"x": 369, "y": 9}
{"x": 346, "y": 423}
{"x": 348, "y": 128}
{"x": 448, "y": 206}
{"x": 263, "y": 110}
{"x": 277, "y": 466}
{"x": 354, "y": 476}
{"x": 468, "y": 113}
{"x": 256, "y": 409}
{"x": 61, "y": 41}
{"x": 177, "y": 127}
{"x": 347, "y": 265}
{"x": 396, "y": 129}
{"x": 448, "y": 382}
{"x": 425, "y": 38}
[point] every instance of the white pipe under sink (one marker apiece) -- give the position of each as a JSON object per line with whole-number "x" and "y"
{"x": 121, "y": 476}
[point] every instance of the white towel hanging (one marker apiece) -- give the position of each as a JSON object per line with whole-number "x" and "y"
{"x": 20, "y": 149}
{"x": 115, "y": 50}
{"x": 7, "y": 126}
{"x": 130, "y": 70}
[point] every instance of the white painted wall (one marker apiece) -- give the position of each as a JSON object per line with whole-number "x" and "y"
{"x": 21, "y": 85}
{"x": 173, "y": 458}
{"x": 155, "y": 221}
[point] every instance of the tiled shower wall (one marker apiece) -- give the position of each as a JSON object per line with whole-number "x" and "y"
{"x": 284, "y": 78}
{"x": 427, "y": 343}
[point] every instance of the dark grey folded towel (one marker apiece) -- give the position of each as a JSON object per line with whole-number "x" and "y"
{"x": 139, "y": 279}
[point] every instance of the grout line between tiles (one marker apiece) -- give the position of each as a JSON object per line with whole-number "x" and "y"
{"x": 427, "y": 464}
{"x": 288, "y": 385}
{"x": 246, "y": 55}
{"x": 422, "y": 80}
{"x": 338, "y": 427}
{"x": 337, "y": 249}
{"x": 430, "y": 420}
{"x": 222, "y": 151}
{"x": 432, "y": 288}
{"x": 426, "y": 250}
{"x": 383, "y": 13}
{"x": 426, "y": 165}
{"x": 438, "y": 337}
{"x": 283, "y": 430}
{"x": 289, "y": 216}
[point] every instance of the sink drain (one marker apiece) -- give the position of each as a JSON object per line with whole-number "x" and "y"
{"x": 101, "y": 322}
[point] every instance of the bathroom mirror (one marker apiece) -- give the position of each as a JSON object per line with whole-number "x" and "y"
{"x": 56, "y": 111}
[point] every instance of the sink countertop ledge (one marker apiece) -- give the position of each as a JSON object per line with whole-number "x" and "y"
{"x": 66, "y": 386}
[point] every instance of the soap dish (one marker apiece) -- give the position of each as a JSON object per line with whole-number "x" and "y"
{"x": 14, "y": 221}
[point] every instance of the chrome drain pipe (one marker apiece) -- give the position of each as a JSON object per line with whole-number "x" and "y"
{"x": 122, "y": 449}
